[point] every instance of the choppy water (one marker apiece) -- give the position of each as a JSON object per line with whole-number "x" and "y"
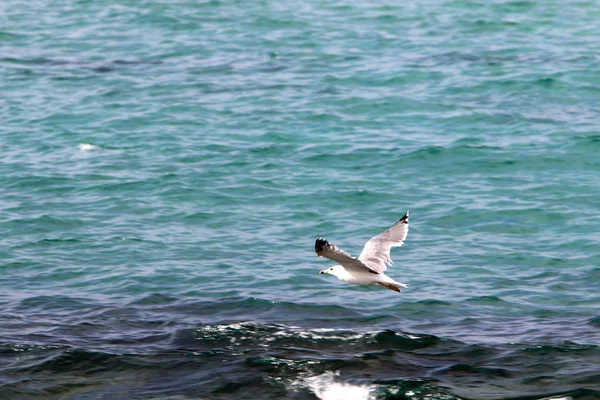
{"x": 166, "y": 166}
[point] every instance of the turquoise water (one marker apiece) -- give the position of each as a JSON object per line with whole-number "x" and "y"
{"x": 166, "y": 166}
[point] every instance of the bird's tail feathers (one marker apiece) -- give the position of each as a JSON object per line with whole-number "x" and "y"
{"x": 393, "y": 285}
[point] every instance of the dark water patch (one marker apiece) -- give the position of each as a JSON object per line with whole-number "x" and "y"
{"x": 154, "y": 299}
{"x": 477, "y": 353}
{"x": 79, "y": 361}
{"x": 592, "y": 377}
{"x": 545, "y": 313}
{"x": 53, "y": 303}
{"x": 428, "y": 152}
{"x": 462, "y": 154}
{"x": 455, "y": 57}
{"x": 474, "y": 143}
{"x": 565, "y": 347}
{"x": 467, "y": 369}
{"x": 45, "y": 223}
{"x": 434, "y": 302}
{"x": 39, "y": 183}
{"x": 8, "y": 36}
{"x": 395, "y": 389}
{"x": 485, "y": 300}
{"x": 52, "y": 243}
{"x": 542, "y": 275}
{"x": 201, "y": 217}
{"x": 595, "y": 322}
{"x": 399, "y": 341}
{"x": 96, "y": 66}
{"x": 584, "y": 144}
{"x": 239, "y": 358}
{"x": 368, "y": 320}
{"x": 17, "y": 266}
{"x": 589, "y": 138}
{"x": 546, "y": 81}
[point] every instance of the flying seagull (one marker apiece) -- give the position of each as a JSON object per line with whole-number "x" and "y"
{"x": 368, "y": 267}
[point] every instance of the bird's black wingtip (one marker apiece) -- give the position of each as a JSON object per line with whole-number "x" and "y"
{"x": 320, "y": 244}
{"x": 405, "y": 218}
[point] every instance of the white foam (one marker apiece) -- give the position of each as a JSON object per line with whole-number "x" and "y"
{"x": 557, "y": 398}
{"x": 86, "y": 146}
{"x": 288, "y": 331}
{"x": 326, "y": 387}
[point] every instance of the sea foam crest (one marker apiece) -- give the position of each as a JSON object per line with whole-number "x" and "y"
{"x": 327, "y": 387}
{"x": 86, "y": 146}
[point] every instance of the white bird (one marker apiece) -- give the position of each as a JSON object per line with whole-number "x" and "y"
{"x": 368, "y": 267}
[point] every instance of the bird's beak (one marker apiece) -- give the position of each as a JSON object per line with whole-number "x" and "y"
{"x": 323, "y": 272}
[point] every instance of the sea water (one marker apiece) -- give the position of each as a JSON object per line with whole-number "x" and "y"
{"x": 165, "y": 167}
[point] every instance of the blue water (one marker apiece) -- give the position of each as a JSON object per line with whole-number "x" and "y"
{"x": 165, "y": 168}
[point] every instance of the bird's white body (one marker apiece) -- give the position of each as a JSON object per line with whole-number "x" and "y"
{"x": 368, "y": 268}
{"x": 361, "y": 278}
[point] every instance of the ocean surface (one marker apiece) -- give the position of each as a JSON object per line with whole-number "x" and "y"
{"x": 165, "y": 167}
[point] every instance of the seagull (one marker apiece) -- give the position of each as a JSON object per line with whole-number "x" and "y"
{"x": 368, "y": 267}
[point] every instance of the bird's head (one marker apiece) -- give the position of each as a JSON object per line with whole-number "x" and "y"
{"x": 333, "y": 270}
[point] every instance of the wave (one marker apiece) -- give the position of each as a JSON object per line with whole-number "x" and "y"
{"x": 248, "y": 359}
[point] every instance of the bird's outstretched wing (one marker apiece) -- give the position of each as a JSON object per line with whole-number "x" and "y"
{"x": 376, "y": 253}
{"x": 325, "y": 249}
